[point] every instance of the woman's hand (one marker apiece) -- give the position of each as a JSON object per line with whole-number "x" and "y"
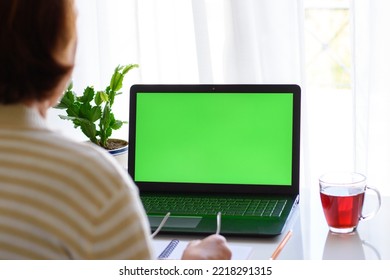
{"x": 213, "y": 247}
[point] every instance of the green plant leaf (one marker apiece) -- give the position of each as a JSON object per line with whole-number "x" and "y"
{"x": 128, "y": 67}
{"x": 105, "y": 124}
{"x": 80, "y": 120}
{"x": 85, "y": 109}
{"x": 95, "y": 114}
{"x": 116, "y": 124}
{"x": 108, "y": 132}
{"x": 98, "y": 99}
{"x": 101, "y": 97}
{"x": 111, "y": 97}
{"x": 116, "y": 81}
{"x": 87, "y": 96}
{"x": 67, "y": 100}
{"x": 106, "y": 116}
{"x": 73, "y": 110}
{"x": 89, "y": 129}
{"x": 66, "y": 117}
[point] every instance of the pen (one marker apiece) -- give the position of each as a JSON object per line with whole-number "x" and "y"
{"x": 218, "y": 223}
{"x": 161, "y": 225}
{"x": 281, "y": 245}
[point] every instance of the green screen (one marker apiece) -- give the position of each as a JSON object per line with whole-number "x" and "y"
{"x": 222, "y": 138}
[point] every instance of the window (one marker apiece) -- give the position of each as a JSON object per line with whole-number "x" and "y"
{"x": 328, "y": 59}
{"x": 328, "y": 51}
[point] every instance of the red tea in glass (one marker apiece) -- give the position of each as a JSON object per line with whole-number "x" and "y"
{"x": 342, "y": 211}
{"x": 342, "y": 198}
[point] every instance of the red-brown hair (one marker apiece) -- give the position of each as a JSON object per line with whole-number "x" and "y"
{"x": 31, "y": 32}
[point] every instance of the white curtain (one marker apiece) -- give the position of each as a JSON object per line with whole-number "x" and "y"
{"x": 186, "y": 41}
{"x": 371, "y": 41}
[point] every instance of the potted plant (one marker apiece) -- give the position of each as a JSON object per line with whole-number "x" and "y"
{"x": 92, "y": 111}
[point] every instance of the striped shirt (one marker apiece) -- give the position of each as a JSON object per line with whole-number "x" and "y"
{"x": 64, "y": 200}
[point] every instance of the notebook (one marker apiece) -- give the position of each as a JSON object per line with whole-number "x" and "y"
{"x": 173, "y": 250}
{"x": 203, "y": 151}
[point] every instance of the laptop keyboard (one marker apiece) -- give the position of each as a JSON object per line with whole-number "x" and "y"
{"x": 160, "y": 205}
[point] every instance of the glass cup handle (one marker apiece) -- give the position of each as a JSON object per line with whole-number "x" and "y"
{"x": 372, "y": 214}
{"x": 372, "y": 248}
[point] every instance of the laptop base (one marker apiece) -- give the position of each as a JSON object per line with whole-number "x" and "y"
{"x": 230, "y": 225}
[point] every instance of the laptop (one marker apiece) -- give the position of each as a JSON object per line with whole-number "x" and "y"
{"x": 218, "y": 158}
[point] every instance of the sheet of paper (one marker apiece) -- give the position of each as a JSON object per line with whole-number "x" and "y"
{"x": 238, "y": 252}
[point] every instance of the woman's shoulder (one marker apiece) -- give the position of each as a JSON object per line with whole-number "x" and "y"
{"x": 88, "y": 161}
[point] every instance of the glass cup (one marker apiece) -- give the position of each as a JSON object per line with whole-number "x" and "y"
{"x": 342, "y": 198}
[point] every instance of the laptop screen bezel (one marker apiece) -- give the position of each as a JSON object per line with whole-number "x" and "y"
{"x": 217, "y": 188}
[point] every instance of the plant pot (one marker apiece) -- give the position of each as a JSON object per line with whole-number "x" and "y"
{"x": 119, "y": 149}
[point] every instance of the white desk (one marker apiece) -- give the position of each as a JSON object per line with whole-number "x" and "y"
{"x": 311, "y": 238}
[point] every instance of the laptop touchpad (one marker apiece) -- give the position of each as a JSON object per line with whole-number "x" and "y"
{"x": 175, "y": 222}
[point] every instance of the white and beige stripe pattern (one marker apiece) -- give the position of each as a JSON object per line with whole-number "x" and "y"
{"x": 64, "y": 200}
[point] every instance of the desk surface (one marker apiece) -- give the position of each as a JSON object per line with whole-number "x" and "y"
{"x": 311, "y": 238}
